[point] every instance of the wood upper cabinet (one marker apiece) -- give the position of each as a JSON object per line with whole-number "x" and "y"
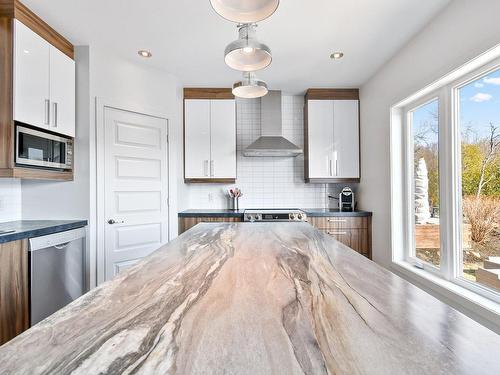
{"x": 44, "y": 83}
{"x": 331, "y": 136}
{"x": 37, "y": 85}
{"x": 209, "y": 139}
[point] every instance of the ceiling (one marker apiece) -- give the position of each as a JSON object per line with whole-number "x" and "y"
{"x": 187, "y": 38}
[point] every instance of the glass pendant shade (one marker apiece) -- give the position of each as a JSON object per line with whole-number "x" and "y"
{"x": 247, "y": 54}
{"x": 250, "y": 87}
{"x": 245, "y": 11}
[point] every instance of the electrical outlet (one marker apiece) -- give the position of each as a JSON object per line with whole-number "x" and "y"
{"x": 1, "y": 203}
{"x": 210, "y": 197}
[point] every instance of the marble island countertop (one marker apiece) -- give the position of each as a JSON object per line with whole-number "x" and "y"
{"x": 255, "y": 298}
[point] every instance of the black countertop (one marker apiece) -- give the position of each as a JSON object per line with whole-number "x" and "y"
{"x": 21, "y": 229}
{"x": 312, "y": 212}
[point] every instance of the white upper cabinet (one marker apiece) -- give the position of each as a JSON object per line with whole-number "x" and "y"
{"x": 62, "y": 93}
{"x": 332, "y": 129}
{"x": 320, "y": 136}
{"x": 197, "y": 139}
{"x": 209, "y": 139}
{"x": 346, "y": 138}
{"x": 223, "y": 138}
{"x": 31, "y": 77}
{"x": 44, "y": 83}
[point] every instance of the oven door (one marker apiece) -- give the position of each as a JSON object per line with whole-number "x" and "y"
{"x": 40, "y": 149}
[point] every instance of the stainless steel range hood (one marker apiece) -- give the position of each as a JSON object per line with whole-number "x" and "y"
{"x": 271, "y": 141}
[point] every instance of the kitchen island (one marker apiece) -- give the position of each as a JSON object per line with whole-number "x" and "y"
{"x": 255, "y": 298}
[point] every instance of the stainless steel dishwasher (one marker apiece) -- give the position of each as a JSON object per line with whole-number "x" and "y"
{"x": 57, "y": 271}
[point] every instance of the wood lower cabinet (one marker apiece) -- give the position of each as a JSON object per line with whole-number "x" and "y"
{"x": 354, "y": 232}
{"x": 186, "y": 223}
{"x": 14, "y": 292}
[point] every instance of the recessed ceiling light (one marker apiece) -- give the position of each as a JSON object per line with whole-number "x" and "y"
{"x": 144, "y": 53}
{"x": 337, "y": 55}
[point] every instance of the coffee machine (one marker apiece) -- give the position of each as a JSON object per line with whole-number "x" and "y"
{"x": 346, "y": 200}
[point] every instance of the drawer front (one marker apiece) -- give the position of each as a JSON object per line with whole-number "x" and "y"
{"x": 186, "y": 223}
{"x": 356, "y": 239}
{"x": 340, "y": 222}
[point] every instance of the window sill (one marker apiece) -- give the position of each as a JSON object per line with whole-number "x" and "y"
{"x": 479, "y": 308}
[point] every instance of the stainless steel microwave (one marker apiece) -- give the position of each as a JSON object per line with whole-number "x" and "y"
{"x": 37, "y": 148}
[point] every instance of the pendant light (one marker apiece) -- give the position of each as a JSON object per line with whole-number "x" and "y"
{"x": 245, "y": 11}
{"x": 247, "y": 54}
{"x": 250, "y": 87}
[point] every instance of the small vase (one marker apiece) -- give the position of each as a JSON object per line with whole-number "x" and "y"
{"x": 235, "y": 204}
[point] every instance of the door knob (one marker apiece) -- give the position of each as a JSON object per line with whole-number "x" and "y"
{"x": 113, "y": 221}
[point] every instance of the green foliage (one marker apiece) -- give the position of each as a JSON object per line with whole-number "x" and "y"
{"x": 473, "y": 155}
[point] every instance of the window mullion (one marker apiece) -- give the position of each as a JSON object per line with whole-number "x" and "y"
{"x": 445, "y": 179}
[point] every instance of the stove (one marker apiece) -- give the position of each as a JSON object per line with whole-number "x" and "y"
{"x": 288, "y": 215}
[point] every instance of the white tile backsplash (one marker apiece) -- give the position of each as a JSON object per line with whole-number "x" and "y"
{"x": 266, "y": 182}
{"x": 10, "y": 200}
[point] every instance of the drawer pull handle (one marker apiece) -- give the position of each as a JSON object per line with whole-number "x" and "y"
{"x": 337, "y": 220}
{"x": 337, "y": 233}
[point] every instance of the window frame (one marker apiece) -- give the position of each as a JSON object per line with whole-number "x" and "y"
{"x": 450, "y": 182}
{"x": 409, "y": 215}
{"x": 457, "y": 259}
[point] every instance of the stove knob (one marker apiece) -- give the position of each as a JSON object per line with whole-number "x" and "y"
{"x": 299, "y": 216}
{"x": 292, "y": 216}
{"x": 249, "y": 217}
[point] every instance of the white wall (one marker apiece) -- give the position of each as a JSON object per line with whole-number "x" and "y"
{"x": 459, "y": 33}
{"x": 58, "y": 200}
{"x": 133, "y": 85}
{"x": 129, "y": 84}
{"x": 10, "y": 199}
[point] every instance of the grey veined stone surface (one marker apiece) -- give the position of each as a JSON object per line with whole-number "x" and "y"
{"x": 255, "y": 298}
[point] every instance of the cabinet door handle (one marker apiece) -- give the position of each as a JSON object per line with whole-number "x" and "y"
{"x": 330, "y": 165}
{"x": 47, "y": 112}
{"x": 212, "y": 168}
{"x": 54, "y": 109}
{"x": 337, "y": 220}
{"x": 336, "y": 167}
{"x": 205, "y": 168}
{"x": 337, "y": 233}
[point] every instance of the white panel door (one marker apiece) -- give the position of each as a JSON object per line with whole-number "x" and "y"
{"x": 197, "y": 138}
{"x": 346, "y": 138}
{"x": 62, "y": 93}
{"x": 223, "y": 138}
{"x": 31, "y": 77}
{"x": 136, "y": 187}
{"x": 320, "y": 138}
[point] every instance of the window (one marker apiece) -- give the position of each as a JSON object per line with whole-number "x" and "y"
{"x": 478, "y": 105}
{"x": 446, "y": 205}
{"x": 424, "y": 123}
